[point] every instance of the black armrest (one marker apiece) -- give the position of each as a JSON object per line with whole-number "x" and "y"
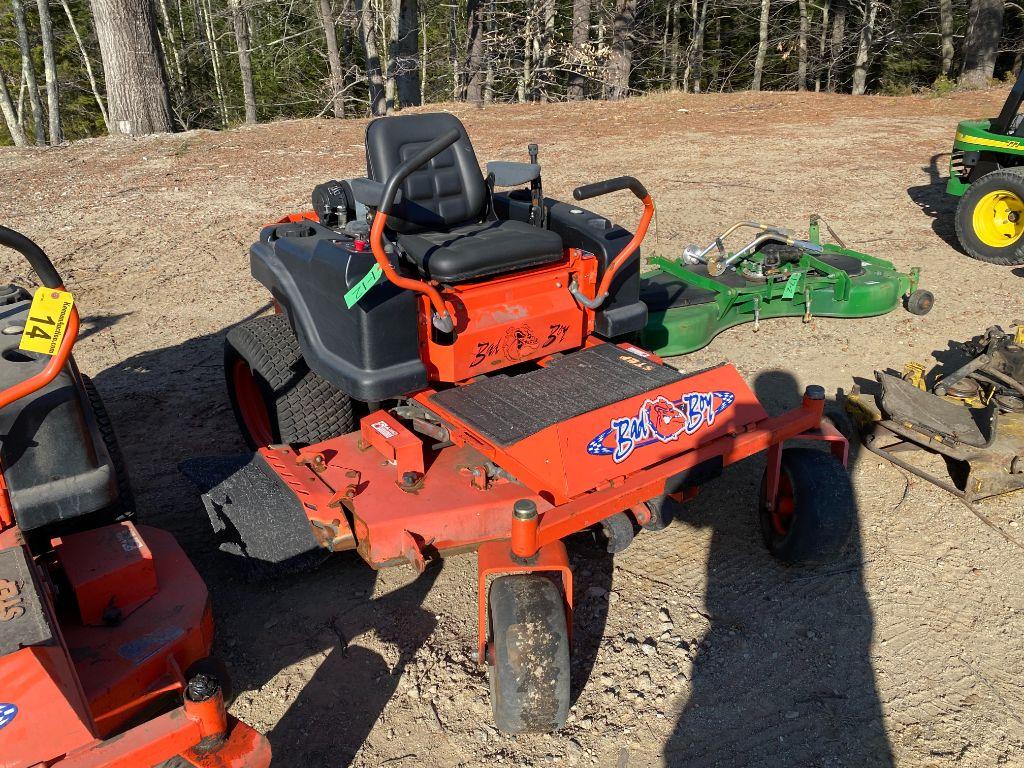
{"x": 508, "y": 174}
{"x": 368, "y": 192}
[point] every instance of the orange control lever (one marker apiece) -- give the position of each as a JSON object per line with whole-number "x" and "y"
{"x": 603, "y": 188}
{"x": 631, "y": 246}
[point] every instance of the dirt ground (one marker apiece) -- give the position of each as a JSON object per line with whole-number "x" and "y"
{"x": 693, "y": 647}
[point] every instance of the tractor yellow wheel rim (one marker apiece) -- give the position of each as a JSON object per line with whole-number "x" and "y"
{"x": 999, "y": 219}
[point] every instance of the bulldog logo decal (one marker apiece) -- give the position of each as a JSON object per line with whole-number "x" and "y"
{"x": 659, "y": 420}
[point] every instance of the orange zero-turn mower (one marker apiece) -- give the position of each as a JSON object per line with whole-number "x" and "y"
{"x": 105, "y": 626}
{"x": 445, "y": 374}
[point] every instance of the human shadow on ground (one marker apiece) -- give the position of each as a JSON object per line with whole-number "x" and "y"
{"x": 783, "y": 676}
{"x": 169, "y": 405}
{"x": 933, "y": 200}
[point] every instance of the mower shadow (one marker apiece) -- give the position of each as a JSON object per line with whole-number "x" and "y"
{"x": 783, "y": 675}
{"x": 331, "y": 643}
{"x": 933, "y": 200}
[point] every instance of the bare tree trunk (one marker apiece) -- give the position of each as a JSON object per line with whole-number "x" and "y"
{"x": 946, "y": 35}
{"x": 862, "y": 62}
{"x": 453, "y": 52}
{"x": 982, "y": 43}
{"x": 423, "y": 59}
{"x": 244, "y": 45}
{"x": 88, "y": 65}
{"x": 50, "y": 67}
{"x": 475, "y": 52}
{"x": 178, "y": 75}
{"x": 407, "y": 57}
{"x": 801, "y": 68}
{"x": 821, "y": 66}
{"x": 29, "y": 73}
{"x": 836, "y": 52}
{"x": 218, "y": 80}
{"x": 620, "y": 58}
{"x": 368, "y": 31}
{"x": 391, "y": 65}
{"x": 132, "y": 67}
{"x": 337, "y": 82}
{"x": 489, "y": 34}
{"x": 692, "y": 47}
{"x": 677, "y": 33}
{"x": 664, "y": 42}
{"x": 10, "y": 116}
{"x": 762, "y": 46}
{"x": 716, "y": 46}
{"x": 546, "y": 41}
{"x": 524, "y": 91}
{"x": 698, "y": 48}
{"x": 581, "y": 49}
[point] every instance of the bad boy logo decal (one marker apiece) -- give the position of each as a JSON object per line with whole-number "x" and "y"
{"x": 7, "y": 713}
{"x": 659, "y": 420}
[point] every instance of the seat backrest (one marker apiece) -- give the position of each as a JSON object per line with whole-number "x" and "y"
{"x": 449, "y": 190}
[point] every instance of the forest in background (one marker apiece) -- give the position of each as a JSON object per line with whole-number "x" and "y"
{"x": 71, "y": 69}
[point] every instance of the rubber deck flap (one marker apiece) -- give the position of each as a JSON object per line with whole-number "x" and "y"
{"x": 25, "y": 622}
{"x": 904, "y": 402}
{"x": 507, "y": 409}
{"x": 254, "y": 514}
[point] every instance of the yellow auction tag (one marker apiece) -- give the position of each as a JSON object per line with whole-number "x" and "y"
{"x": 47, "y": 321}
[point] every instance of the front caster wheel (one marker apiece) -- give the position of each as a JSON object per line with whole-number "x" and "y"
{"x": 814, "y": 513}
{"x": 529, "y": 649}
{"x": 920, "y": 302}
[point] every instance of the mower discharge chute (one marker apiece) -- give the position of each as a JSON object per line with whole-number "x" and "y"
{"x": 105, "y": 626}
{"x": 440, "y": 379}
{"x": 693, "y": 299}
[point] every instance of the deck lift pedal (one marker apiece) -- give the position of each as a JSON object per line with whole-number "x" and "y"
{"x": 105, "y": 626}
{"x": 445, "y": 382}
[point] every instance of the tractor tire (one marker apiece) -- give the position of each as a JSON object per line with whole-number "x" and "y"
{"x": 124, "y": 507}
{"x": 983, "y": 218}
{"x": 815, "y": 513}
{"x": 275, "y": 396}
{"x": 529, "y": 639}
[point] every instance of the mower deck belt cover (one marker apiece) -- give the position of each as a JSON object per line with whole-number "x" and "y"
{"x": 687, "y": 307}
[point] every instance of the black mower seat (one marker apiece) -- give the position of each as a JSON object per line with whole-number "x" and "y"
{"x": 472, "y": 251}
{"x": 442, "y": 220}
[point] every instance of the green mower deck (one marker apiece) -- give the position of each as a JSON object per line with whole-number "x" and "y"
{"x": 693, "y": 299}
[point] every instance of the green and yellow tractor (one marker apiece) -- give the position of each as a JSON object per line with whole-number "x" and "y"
{"x": 986, "y": 172}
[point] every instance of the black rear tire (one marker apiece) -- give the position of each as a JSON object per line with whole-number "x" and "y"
{"x": 1010, "y": 180}
{"x": 298, "y": 406}
{"x": 530, "y": 643}
{"x": 124, "y": 507}
{"x": 815, "y": 513}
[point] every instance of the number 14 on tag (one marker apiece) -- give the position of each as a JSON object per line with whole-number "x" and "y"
{"x": 47, "y": 321}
